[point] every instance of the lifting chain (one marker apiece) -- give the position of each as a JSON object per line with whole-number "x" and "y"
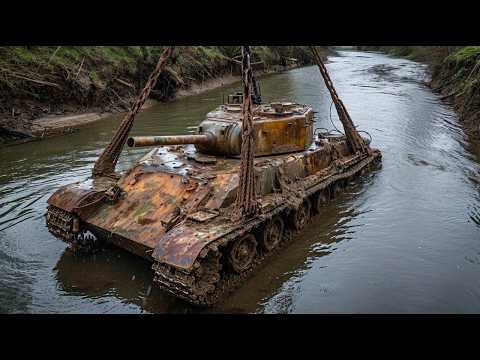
{"x": 354, "y": 140}
{"x": 246, "y": 202}
{"x": 105, "y": 164}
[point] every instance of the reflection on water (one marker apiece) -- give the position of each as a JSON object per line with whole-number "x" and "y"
{"x": 114, "y": 275}
{"x": 403, "y": 239}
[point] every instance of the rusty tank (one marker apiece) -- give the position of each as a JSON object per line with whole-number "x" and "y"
{"x": 176, "y": 207}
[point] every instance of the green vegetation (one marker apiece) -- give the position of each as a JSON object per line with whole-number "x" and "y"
{"x": 37, "y": 81}
{"x": 191, "y": 60}
{"x": 432, "y": 55}
{"x": 458, "y": 77}
{"x": 465, "y": 55}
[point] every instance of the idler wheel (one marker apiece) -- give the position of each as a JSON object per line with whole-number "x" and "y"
{"x": 272, "y": 233}
{"x": 321, "y": 199}
{"x": 242, "y": 253}
{"x": 300, "y": 217}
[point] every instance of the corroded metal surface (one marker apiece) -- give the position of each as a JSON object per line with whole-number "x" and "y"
{"x": 176, "y": 206}
{"x": 151, "y": 204}
{"x": 306, "y": 170}
{"x": 138, "y": 141}
{"x": 181, "y": 246}
{"x": 172, "y": 208}
{"x": 169, "y": 187}
{"x": 246, "y": 203}
{"x": 78, "y": 196}
{"x": 198, "y": 286}
{"x": 277, "y": 131}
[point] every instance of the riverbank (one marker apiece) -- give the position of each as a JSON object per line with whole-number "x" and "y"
{"x": 49, "y": 91}
{"x": 457, "y": 78}
{"x": 55, "y": 125}
{"x": 455, "y": 74}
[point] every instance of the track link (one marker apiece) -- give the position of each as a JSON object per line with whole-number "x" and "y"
{"x": 60, "y": 223}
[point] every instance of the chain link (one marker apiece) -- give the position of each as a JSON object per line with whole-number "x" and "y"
{"x": 353, "y": 138}
{"x": 105, "y": 164}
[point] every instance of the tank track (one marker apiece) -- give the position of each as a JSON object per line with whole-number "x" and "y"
{"x": 60, "y": 223}
{"x": 206, "y": 285}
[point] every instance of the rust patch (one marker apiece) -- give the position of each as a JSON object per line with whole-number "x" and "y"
{"x": 74, "y": 196}
{"x": 149, "y": 198}
{"x": 181, "y": 246}
{"x": 202, "y": 215}
{"x": 224, "y": 190}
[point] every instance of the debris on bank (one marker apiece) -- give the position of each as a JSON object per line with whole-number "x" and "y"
{"x": 458, "y": 80}
{"x": 52, "y": 90}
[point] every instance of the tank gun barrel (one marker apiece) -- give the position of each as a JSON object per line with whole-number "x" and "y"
{"x": 141, "y": 141}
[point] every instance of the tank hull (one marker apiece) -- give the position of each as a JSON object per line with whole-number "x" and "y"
{"x": 174, "y": 209}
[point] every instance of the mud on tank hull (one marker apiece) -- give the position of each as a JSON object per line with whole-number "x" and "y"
{"x": 174, "y": 208}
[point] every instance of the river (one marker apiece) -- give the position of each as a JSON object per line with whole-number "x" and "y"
{"x": 406, "y": 239}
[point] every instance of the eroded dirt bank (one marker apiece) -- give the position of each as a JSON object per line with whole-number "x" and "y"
{"x": 50, "y": 91}
{"x": 54, "y": 125}
{"x": 458, "y": 80}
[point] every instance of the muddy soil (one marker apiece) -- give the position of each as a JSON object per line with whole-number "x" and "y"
{"x": 34, "y": 108}
{"x": 461, "y": 88}
{"x": 44, "y": 100}
{"x": 29, "y": 121}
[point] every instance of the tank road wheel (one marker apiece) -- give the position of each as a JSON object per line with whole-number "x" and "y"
{"x": 242, "y": 253}
{"x": 321, "y": 199}
{"x": 272, "y": 233}
{"x": 300, "y": 217}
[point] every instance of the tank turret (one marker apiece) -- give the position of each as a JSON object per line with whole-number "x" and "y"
{"x": 280, "y": 128}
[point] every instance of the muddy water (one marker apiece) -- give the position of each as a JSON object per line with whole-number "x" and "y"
{"x": 406, "y": 239}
